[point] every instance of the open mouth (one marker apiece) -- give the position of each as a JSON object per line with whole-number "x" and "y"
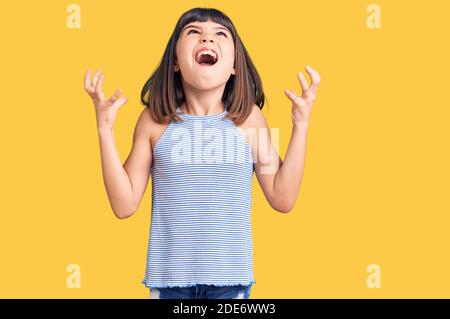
{"x": 206, "y": 58}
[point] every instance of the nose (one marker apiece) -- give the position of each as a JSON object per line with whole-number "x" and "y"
{"x": 205, "y": 38}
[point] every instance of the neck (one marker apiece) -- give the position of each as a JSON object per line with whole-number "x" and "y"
{"x": 203, "y": 102}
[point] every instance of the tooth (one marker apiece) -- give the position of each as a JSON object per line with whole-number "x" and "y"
{"x": 207, "y": 52}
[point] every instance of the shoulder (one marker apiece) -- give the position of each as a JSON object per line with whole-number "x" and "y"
{"x": 150, "y": 128}
{"x": 255, "y": 120}
{"x": 253, "y": 126}
{"x": 147, "y": 121}
{"x": 144, "y": 124}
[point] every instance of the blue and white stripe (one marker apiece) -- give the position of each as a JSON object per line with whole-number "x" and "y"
{"x": 200, "y": 229}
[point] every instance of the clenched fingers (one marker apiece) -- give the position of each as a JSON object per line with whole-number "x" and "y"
{"x": 99, "y": 87}
{"x": 315, "y": 80}
{"x": 115, "y": 96}
{"x": 89, "y": 85}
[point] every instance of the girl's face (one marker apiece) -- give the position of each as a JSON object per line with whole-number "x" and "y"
{"x": 194, "y": 37}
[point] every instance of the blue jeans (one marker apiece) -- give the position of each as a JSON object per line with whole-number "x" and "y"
{"x": 201, "y": 291}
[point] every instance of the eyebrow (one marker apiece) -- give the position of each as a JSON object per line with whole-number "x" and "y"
{"x": 196, "y": 26}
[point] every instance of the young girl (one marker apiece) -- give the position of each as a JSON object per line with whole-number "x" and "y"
{"x": 201, "y": 137}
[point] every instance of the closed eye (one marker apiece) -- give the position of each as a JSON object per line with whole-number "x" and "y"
{"x": 217, "y": 32}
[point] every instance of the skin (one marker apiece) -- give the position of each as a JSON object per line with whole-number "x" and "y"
{"x": 203, "y": 86}
{"x": 282, "y": 183}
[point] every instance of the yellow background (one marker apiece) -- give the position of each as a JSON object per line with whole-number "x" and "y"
{"x": 376, "y": 181}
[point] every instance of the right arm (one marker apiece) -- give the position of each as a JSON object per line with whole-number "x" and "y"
{"x": 125, "y": 184}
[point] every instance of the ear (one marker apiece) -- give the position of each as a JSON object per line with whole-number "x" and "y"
{"x": 233, "y": 71}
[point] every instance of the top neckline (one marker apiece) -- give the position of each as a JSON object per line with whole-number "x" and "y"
{"x": 201, "y": 117}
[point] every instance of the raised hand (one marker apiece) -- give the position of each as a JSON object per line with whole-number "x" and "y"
{"x": 302, "y": 105}
{"x": 105, "y": 109}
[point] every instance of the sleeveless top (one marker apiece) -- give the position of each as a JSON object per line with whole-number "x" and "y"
{"x": 200, "y": 229}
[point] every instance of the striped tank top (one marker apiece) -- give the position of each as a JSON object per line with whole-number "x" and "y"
{"x": 200, "y": 229}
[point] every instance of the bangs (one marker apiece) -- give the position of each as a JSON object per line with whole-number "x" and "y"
{"x": 203, "y": 15}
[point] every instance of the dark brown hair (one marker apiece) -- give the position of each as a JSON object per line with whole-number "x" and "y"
{"x": 163, "y": 91}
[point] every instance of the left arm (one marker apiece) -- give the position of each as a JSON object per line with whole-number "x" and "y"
{"x": 281, "y": 180}
{"x": 288, "y": 178}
